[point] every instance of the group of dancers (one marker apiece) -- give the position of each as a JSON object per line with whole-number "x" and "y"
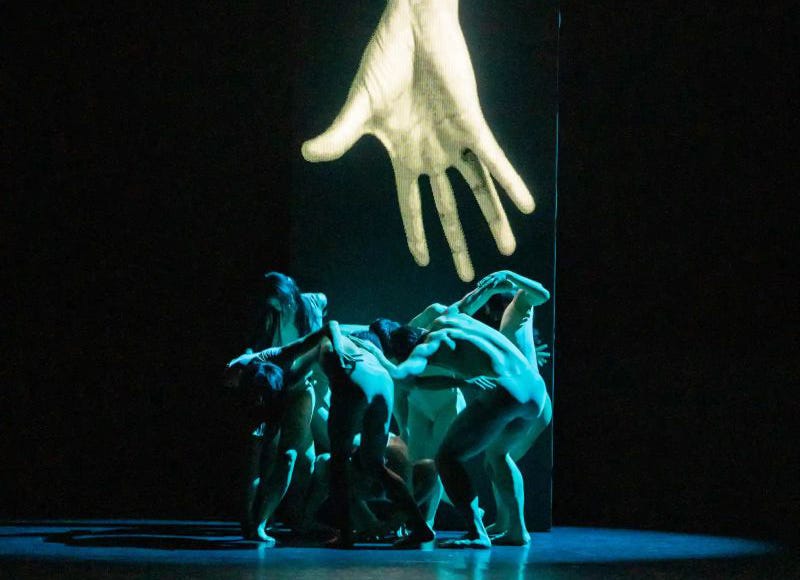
{"x": 363, "y": 430}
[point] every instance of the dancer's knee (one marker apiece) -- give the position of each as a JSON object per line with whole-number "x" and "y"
{"x": 288, "y": 458}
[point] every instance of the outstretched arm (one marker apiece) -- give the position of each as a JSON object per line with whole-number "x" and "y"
{"x": 476, "y": 298}
{"x": 534, "y": 293}
{"x": 417, "y": 361}
{"x": 441, "y": 383}
{"x": 303, "y": 353}
{"x": 296, "y": 358}
{"x": 353, "y": 328}
{"x": 425, "y": 318}
{"x": 469, "y": 304}
{"x": 378, "y": 354}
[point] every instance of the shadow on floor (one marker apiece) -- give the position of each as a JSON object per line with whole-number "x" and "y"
{"x": 132, "y": 538}
{"x": 182, "y": 537}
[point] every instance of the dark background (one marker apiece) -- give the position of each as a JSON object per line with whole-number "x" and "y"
{"x": 146, "y": 160}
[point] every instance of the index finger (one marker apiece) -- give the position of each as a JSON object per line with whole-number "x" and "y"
{"x": 499, "y": 166}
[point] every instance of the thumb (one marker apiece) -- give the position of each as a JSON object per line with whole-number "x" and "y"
{"x": 345, "y": 130}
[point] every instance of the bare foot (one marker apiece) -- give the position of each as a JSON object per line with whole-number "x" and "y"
{"x": 495, "y": 529}
{"x": 480, "y": 542}
{"x": 415, "y": 539}
{"x": 511, "y": 539}
{"x": 261, "y": 533}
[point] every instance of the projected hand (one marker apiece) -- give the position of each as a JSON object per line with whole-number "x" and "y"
{"x": 415, "y": 91}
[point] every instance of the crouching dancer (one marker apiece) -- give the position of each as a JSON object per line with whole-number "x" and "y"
{"x": 513, "y": 405}
{"x": 374, "y": 518}
{"x": 362, "y": 394}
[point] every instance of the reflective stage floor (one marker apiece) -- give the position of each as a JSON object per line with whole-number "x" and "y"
{"x": 203, "y": 549}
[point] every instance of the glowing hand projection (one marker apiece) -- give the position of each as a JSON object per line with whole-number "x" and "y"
{"x": 415, "y": 91}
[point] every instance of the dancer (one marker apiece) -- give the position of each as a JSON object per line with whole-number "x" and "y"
{"x": 462, "y": 348}
{"x": 282, "y": 449}
{"x": 520, "y": 296}
{"x": 429, "y": 413}
{"x": 288, "y": 315}
{"x": 362, "y": 394}
{"x": 374, "y": 516}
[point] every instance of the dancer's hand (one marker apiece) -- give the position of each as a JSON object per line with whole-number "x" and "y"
{"x": 482, "y": 383}
{"x": 242, "y": 361}
{"x": 498, "y": 282}
{"x": 415, "y": 91}
{"x": 348, "y": 361}
{"x": 535, "y": 293}
{"x": 365, "y": 345}
{"x": 443, "y": 336}
{"x": 542, "y": 354}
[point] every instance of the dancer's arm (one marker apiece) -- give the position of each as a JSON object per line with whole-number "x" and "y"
{"x": 469, "y": 304}
{"x": 474, "y": 300}
{"x": 296, "y": 358}
{"x": 534, "y": 293}
{"x": 417, "y": 361}
{"x": 443, "y": 382}
{"x": 425, "y": 318}
{"x": 353, "y": 328}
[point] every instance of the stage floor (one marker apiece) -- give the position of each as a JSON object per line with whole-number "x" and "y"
{"x": 205, "y": 549}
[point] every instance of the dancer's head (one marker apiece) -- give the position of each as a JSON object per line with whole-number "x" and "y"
{"x": 281, "y": 293}
{"x": 263, "y": 383}
{"x": 491, "y": 314}
{"x": 397, "y": 340}
{"x": 284, "y": 304}
{"x": 369, "y": 336}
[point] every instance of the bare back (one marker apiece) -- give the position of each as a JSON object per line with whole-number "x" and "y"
{"x": 369, "y": 375}
{"x": 482, "y": 350}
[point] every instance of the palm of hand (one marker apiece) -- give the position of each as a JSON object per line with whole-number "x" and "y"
{"x": 415, "y": 91}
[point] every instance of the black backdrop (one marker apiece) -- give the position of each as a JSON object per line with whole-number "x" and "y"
{"x": 144, "y": 148}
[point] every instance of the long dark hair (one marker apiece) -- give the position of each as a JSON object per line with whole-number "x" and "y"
{"x": 285, "y": 290}
{"x": 397, "y": 340}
